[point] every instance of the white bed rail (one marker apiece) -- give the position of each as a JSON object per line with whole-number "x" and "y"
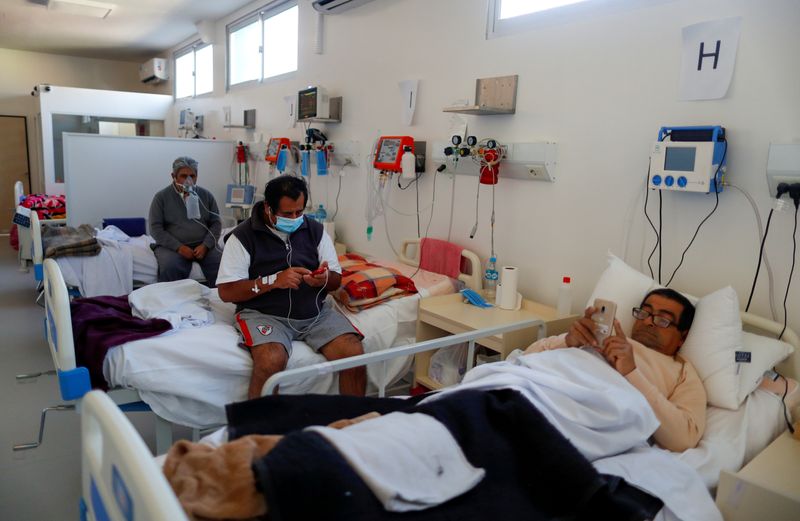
{"x": 382, "y": 357}
{"x": 120, "y": 480}
{"x": 473, "y": 279}
{"x": 764, "y": 326}
{"x": 58, "y": 320}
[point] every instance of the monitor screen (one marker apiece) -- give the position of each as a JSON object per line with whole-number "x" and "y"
{"x": 307, "y": 103}
{"x": 273, "y": 147}
{"x": 237, "y": 195}
{"x": 389, "y": 150}
{"x": 680, "y": 159}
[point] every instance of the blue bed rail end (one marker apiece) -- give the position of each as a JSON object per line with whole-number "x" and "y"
{"x": 74, "y": 383}
{"x": 82, "y": 510}
{"x": 38, "y": 272}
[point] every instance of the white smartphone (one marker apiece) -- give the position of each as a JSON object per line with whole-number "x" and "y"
{"x": 603, "y": 319}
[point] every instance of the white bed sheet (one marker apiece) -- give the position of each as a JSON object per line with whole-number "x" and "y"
{"x": 733, "y": 438}
{"x": 188, "y": 376}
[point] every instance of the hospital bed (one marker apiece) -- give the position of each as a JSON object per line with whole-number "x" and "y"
{"x": 89, "y": 276}
{"x": 26, "y": 252}
{"x": 191, "y": 386}
{"x": 146, "y": 489}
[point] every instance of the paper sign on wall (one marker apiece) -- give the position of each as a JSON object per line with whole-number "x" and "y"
{"x": 709, "y": 56}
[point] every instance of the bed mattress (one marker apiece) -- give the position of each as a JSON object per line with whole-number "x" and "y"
{"x": 187, "y": 376}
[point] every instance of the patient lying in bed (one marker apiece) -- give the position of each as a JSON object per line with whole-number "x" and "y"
{"x": 536, "y": 431}
{"x": 649, "y": 360}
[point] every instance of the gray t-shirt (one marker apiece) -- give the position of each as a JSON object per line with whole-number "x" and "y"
{"x": 170, "y": 227}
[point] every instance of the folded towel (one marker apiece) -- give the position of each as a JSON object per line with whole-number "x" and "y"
{"x": 440, "y": 257}
{"x": 409, "y": 461}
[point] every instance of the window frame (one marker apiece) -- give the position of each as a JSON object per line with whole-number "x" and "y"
{"x": 180, "y": 53}
{"x": 269, "y": 10}
{"x": 495, "y": 27}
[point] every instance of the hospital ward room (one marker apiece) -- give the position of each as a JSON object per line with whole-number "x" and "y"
{"x": 400, "y": 260}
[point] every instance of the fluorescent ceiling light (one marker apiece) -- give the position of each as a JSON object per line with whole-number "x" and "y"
{"x": 81, "y": 7}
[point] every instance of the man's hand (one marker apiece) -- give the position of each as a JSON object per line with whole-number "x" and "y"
{"x": 186, "y": 252}
{"x": 318, "y": 277}
{"x": 290, "y": 278}
{"x": 200, "y": 252}
{"x": 581, "y": 332}
{"x": 618, "y": 351}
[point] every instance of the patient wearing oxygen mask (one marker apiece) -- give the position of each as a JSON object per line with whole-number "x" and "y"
{"x": 278, "y": 267}
{"x": 185, "y": 223}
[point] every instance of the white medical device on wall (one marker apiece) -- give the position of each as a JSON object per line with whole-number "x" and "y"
{"x": 783, "y": 165}
{"x": 693, "y": 159}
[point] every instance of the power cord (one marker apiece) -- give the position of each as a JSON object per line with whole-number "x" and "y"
{"x": 782, "y": 189}
{"x": 653, "y": 226}
{"x": 783, "y": 401}
{"x": 794, "y": 193}
{"x": 716, "y": 205}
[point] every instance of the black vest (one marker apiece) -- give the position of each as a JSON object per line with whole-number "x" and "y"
{"x": 269, "y": 254}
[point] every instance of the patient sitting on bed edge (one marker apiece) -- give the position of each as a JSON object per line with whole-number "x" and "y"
{"x": 672, "y": 395}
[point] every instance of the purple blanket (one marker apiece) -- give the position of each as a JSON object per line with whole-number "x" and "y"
{"x": 100, "y": 323}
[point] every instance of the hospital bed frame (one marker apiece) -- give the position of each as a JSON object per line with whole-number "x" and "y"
{"x": 148, "y": 488}
{"x": 73, "y": 380}
{"x": 114, "y": 457}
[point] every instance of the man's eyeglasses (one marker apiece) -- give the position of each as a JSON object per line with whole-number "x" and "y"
{"x": 659, "y": 321}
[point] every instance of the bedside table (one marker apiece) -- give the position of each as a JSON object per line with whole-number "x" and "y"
{"x": 448, "y": 314}
{"x": 766, "y": 488}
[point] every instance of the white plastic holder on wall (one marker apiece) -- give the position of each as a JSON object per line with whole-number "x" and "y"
{"x": 526, "y": 161}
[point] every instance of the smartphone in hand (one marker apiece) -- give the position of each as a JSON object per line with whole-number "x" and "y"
{"x": 318, "y": 271}
{"x": 603, "y": 319}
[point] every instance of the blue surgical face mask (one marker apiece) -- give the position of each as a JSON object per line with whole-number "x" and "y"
{"x": 286, "y": 225}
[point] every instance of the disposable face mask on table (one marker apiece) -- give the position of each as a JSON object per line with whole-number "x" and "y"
{"x": 475, "y": 299}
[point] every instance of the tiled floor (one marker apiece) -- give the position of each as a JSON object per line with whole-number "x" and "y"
{"x": 42, "y": 484}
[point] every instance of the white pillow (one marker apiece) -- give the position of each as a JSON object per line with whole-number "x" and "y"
{"x": 765, "y": 354}
{"x": 711, "y": 346}
{"x": 623, "y": 285}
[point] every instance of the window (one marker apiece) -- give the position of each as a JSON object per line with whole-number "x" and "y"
{"x": 263, "y": 44}
{"x": 194, "y": 71}
{"x": 513, "y": 16}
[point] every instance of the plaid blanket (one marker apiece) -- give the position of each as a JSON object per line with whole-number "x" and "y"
{"x": 46, "y": 206}
{"x": 58, "y": 241}
{"x": 365, "y": 284}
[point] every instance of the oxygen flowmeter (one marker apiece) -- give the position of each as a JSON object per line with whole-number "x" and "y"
{"x": 693, "y": 159}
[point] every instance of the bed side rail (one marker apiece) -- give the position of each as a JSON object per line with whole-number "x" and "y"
{"x": 382, "y": 357}
{"x": 764, "y": 326}
{"x": 120, "y": 479}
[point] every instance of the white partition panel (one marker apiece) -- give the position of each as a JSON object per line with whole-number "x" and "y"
{"x": 117, "y": 176}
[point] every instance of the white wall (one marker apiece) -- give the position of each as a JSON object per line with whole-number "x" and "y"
{"x": 22, "y": 70}
{"x": 600, "y": 88}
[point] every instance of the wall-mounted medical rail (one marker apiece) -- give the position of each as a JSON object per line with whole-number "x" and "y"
{"x": 382, "y": 357}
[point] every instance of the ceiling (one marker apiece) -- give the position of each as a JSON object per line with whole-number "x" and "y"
{"x": 135, "y": 30}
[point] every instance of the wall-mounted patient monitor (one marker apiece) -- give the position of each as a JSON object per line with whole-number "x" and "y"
{"x": 313, "y": 102}
{"x": 689, "y": 159}
{"x": 389, "y": 153}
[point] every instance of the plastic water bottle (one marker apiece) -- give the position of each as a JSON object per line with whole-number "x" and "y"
{"x": 490, "y": 277}
{"x": 321, "y": 215}
{"x": 564, "y": 306}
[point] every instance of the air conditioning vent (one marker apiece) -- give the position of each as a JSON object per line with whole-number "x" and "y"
{"x": 337, "y": 6}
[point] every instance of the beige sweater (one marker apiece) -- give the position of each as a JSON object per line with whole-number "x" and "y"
{"x": 671, "y": 387}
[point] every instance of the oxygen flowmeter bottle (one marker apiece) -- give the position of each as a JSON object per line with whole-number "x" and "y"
{"x": 408, "y": 164}
{"x": 193, "y": 206}
{"x": 322, "y": 214}
{"x": 490, "y": 277}
{"x": 564, "y": 306}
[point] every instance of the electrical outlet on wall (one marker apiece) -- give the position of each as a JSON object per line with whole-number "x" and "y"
{"x": 226, "y": 115}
